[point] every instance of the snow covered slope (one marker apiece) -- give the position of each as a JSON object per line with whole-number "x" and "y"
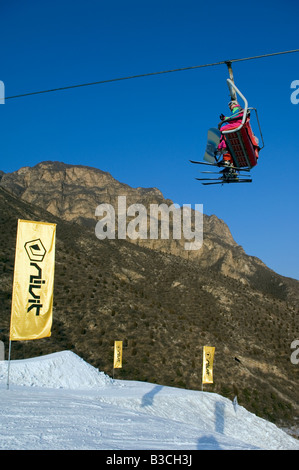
{"x": 59, "y": 401}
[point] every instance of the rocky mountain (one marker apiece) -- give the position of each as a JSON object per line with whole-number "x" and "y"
{"x": 164, "y": 302}
{"x": 73, "y": 192}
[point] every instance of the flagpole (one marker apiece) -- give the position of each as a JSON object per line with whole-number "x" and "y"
{"x": 8, "y": 366}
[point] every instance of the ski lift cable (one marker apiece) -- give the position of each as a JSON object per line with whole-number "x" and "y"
{"x": 149, "y": 74}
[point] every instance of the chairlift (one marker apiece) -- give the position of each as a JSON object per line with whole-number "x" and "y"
{"x": 241, "y": 143}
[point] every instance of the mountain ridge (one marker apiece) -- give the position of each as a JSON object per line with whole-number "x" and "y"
{"x": 72, "y": 192}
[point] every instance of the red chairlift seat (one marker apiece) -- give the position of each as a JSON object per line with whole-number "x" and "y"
{"x": 242, "y": 144}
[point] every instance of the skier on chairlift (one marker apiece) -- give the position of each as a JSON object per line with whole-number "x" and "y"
{"x": 232, "y": 122}
{"x": 229, "y": 122}
{"x": 234, "y": 141}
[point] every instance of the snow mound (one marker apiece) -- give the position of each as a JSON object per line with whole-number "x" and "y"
{"x": 58, "y": 401}
{"x": 58, "y": 370}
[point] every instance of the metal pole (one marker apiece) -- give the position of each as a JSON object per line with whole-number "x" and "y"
{"x": 8, "y": 366}
{"x": 231, "y": 76}
{"x": 2, "y": 351}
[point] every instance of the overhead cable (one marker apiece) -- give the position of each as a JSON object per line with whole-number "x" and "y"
{"x": 148, "y": 74}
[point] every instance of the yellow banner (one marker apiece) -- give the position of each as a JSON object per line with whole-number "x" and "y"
{"x": 32, "y": 297}
{"x": 118, "y": 352}
{"x": 207, "y": 367}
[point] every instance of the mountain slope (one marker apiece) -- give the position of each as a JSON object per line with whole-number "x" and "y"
{"x": 73, "y": 192}
{"x": 164, "y": 307}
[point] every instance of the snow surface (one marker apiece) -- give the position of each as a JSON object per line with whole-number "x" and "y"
{"x": 60, "y": 402}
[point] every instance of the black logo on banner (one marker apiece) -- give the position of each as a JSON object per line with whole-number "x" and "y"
{"x": 36, "y": 253}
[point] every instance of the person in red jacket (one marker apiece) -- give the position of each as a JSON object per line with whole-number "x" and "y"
{"x": 234, "y": 120}
{"x": 229, "y": 122}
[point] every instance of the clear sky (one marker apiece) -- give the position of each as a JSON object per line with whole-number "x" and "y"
{"x": 144, "y": 131}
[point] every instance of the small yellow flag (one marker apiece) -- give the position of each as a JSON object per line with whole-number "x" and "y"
{"x": 207, "y": 367}
{"x": 32, "y": 297}
{"x": 118, "y": 352}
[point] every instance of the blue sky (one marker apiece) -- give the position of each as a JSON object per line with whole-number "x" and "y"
{"x": 144, "y": 131}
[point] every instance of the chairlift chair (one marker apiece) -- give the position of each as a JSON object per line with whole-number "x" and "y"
{"x": 241, "y": 142}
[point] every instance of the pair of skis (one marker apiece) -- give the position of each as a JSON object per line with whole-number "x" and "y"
{"x": 226, "y": 176}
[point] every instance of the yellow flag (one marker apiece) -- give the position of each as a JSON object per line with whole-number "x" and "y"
{"x": 207, "y": 367}
{"x": 118, "y": 352}
{"x": 32, "y": 297}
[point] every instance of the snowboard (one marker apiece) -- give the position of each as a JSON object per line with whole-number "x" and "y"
{"x": 213, "y": 140}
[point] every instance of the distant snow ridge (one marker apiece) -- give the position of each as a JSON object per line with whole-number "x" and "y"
{"x": 58, "y": 370}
